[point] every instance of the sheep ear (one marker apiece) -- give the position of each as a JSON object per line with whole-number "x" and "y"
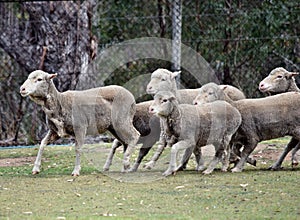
{"x": 292, "y": 74}
{"x": 174, "y": 74}
{"x": 172, "y": 98}
{"x": 51, "y": 76}
{"x": 224, "y": 87}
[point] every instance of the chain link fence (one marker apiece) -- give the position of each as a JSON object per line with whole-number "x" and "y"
{"x": 241, "y": 41}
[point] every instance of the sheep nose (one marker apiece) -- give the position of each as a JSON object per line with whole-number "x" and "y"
{"x": 195, "y": 103}
{"x": 22, "y": 89}
{"x": 261, "y": 86}
{"x": 151, "y": 110}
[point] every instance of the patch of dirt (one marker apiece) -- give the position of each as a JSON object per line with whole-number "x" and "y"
{"x": 269, "y": 152}
{"x": 15, "y": 162}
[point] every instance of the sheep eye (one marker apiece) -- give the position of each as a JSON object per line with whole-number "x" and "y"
{"x": 163, "y": 79}
{"x": 39, "y": 79}
{"x": 164, "y": 100}
{"x": 279, "y": 77}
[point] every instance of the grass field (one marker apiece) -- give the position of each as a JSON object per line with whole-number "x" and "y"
{"x": 256, "y": 193}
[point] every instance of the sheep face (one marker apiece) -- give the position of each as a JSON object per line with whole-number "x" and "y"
{"x": 277, "y": 81}
{"x": 37, "y": 84}
{"x": 209, "y": 92}
{"x": 163, "y": 105}
{"x": 162, "y": 80}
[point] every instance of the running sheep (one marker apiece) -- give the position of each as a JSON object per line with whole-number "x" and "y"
{"x": 165, "y": 80}
{"x": 279, "y": 81}
{"x": 264, "y": 119}
{"x": 79, "y": 113}
{"x": 195, "y": 126}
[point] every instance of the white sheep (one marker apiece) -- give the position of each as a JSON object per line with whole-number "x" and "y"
{"x": 165, "y": 80}
{"x": 79, "y": 113}
{"x": 195, "y": 126}
{"x": 211, "y": 92}
{"x": 263, "y": 119}
{"x": 279, "y": 81}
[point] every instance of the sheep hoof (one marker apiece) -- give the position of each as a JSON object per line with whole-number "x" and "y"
{"x": 75, "y": 174}
{"x": 275, "y": 168}
{"x": 131, "y": 170}
{"x": 206, "y": 172}
{"x": 168, "y": 173}
{"x": 236, "y": 170}
{"x": 149, "y": 165}
{"x": 35, "y": 172}
{"x": 181, "y": 168}
{"x": 295, "y": 163}
{"x": 106, "y": 168}
{"x": 200, "y": 168}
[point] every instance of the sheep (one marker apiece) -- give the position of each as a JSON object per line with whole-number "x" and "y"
{"x": 263, "y": 119}
{"x": 79, "y": 113}
{"x": 278, "y": 81}
{"x": 149, "y": 128}
{"x": 195, "y": 126}
{"x": 164, "y": 80}
{"x": 211, "y": 92}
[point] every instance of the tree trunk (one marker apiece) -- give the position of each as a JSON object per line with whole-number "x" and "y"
{"x": 53, "y": 36}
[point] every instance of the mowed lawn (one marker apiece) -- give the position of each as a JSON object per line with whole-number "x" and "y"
{"x": 256, "y": 193}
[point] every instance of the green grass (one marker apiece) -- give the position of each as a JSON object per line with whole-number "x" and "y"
{"x": 256, "y": 193}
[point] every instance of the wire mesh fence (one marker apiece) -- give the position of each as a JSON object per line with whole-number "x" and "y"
{"x": 241, "y": 41}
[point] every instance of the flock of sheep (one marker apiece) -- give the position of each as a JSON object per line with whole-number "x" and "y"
{"x": 183, "y": 119}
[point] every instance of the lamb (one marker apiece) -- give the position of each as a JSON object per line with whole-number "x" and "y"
{"x": 264, "y": 119}
{"x": 279, "y": 81}
{"x": 149, "y": 127}
{"x": 164, "y": 80}
{"x": 79, "y": 113}
{"x": 194, "y": 126}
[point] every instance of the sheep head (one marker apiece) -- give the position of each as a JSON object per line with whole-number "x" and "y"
{"x": 162, "y": 80}
{"x": 164, "y": 104}
{"x": 209, "y": 92}
{"x": 37, "y": 85}
{"x": 279, "y": 80}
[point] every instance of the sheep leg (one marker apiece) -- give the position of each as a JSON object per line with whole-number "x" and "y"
{"x": 222, "y": 154}
{"x": 248, "y": 148}
{"x": 116, "y": 144}
{"x": 199, "y": 159}
{"x": 142, "y": 153}
{"x": 148, "y": 143}
{"x": 292, "y": 144}
{"x": 149, "y": 165}
{"x": 79, "y": 136}
{"x": 236, "y": 152}
{"x": 129, "y": 149}
{"x": 181, "y": 145}
{"x": 185, "y": 158}
{"x": 295, "y": 155}
{"x": 51, "y": 136}
{"x": 212, "y": 165}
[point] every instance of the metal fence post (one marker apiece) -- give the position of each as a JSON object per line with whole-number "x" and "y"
{"x": 176, "y": 35}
